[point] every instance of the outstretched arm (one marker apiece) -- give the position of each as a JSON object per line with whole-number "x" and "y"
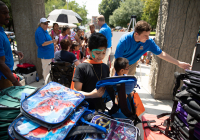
{"x": 94, "y": 94}
{"x": 170, "y": 59}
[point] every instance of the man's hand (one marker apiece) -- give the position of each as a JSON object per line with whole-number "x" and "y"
{"x": 20, "y": 54}
{"x": 17, "y": 84}
{"x": 184, "y": 65}
{"x": 101, "y": 91}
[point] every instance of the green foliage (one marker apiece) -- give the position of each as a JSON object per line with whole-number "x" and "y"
{"x": 150, "y": 11}
{"x": 106, "y": 8}
{"x": 122, "y": 15}
{"x": 62, "y": 4}
{"x": 50, "y": 3}
{"x": 81, "y": 10}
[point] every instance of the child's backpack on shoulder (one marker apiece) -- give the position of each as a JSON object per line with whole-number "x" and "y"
{"x": 122, "y": 86}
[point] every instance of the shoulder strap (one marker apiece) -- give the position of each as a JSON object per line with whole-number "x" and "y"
{"x": 83, "y": 130}
{"x": 123, "y": 104}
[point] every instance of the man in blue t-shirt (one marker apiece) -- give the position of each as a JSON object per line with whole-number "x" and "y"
{"x": 6, "y": 57}
{"x": 134, "y": 44}
{"x": 106, "y": 31}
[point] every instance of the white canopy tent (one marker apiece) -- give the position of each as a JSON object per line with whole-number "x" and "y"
{"x": 61, "y": 24}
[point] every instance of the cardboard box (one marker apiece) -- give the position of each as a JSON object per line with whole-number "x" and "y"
{"x": 30, "y": 78}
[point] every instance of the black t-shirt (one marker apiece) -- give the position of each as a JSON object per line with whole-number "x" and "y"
{"x": 65, "y": 56}
{"x": 86, "y": 74}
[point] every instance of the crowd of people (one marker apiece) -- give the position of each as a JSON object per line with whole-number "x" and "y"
{"x": 88, "y": 51}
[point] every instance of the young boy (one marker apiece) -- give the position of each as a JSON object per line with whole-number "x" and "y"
{"x": 92, "y": 70}
{"x": 121, "y": 66}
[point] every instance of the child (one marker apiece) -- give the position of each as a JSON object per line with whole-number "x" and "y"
{"x": 121, "y": 66}
{"x": 75, "y": 49}
{"x": 92, "y": 70}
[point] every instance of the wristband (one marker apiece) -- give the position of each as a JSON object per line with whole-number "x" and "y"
{"x": 14, "y": 81}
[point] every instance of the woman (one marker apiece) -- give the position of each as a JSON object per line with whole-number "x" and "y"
{"x": 55, "y": 32}
{"x": 45, "y": 45}
{"x": 64, "y": 35}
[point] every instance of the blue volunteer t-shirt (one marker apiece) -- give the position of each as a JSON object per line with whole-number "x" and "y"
{"x": 106, "y": 31}
{"x": 128, "y": 48}
{"x": 5, "y": 50}
{"x": 44, "y": 52}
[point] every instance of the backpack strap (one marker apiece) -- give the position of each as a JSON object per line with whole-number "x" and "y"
{"x": 83, "y": 130}
{"x": 123, "y": 104}
{"x": 115, "y": 107}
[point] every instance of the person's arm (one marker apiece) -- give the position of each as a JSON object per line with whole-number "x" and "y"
{"x": 77, "y": 38}
{"x": 77, "y": 63}
{"x": 7, "y": 72}
{"x": 170, "y": 59}
{"x": 69, "y": 38}
{"x": 94, "y": 94}
{"x": 20, "y": 54}
{"x": 49, "y": 42}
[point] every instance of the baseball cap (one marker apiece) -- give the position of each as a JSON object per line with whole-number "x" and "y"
{"x": 43, "y": 20}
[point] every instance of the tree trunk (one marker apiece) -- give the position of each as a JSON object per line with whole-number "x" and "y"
{"x": 26, "y": 16}
{"x": 176, "y": 34}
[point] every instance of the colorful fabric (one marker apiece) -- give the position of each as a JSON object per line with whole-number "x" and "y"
{"x": 77, "y": 54}
{"x": 52, "y": 103}
{"x": 32, "y": 130}
{"x": 73, "y": 36}
{"x": 116, "y": 130}
{"x": 92, "y": 61}
{"x": 128, "y": 48}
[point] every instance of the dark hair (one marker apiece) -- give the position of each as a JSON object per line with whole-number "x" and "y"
{"x": 65, "y": 28}
{"x": 64, "y": 44}
{"x": 2, "y": 3}
{"x": 120, "y": 63}
{"x": 97, "y": 40}
{"x": 142, "y": 26}
{"x": 74, "y": 44}
{"x": 54, "y": 24}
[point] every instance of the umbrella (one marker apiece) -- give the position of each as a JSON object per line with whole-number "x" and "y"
{"x": 61, "y": 24}
{"x": 65, "y": 16}
{"x": 118, "y": 27}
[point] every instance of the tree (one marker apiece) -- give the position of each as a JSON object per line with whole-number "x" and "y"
{"x": 106, "y": 8}
{"x": 81, "y": 10}
{"x": 122, "y": 15}
{"x": 150, "y": 12}
{"x": 50, "y": 5}
{"x": 26, "y": 16}
{"x": 176, "y": 34}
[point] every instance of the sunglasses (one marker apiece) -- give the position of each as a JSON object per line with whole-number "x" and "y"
{"x": 45, "y": 23}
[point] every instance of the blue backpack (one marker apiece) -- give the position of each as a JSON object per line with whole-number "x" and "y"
{"x": 121, "y": 86}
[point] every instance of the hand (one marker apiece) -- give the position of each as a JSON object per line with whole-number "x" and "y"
{"x": 100, "y": 92}
{"x": 20, "y": 54}
{"x": 55, "y": 41}
{"x": 184, "y": 65}
{"x": 17, "y": 84}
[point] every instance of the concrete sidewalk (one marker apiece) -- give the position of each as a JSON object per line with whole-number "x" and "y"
{"x": 151, "y": 105}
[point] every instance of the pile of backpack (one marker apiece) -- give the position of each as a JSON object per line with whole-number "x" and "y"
{"x": 57, "y": 112}
{"x": 184, "y": 120}
{"x": 10, "y": 106}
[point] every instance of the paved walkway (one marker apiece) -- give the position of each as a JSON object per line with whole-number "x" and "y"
{"x": 151, "y": 105}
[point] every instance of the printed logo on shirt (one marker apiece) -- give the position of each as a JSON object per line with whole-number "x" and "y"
{"x": 141, "y": 48}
